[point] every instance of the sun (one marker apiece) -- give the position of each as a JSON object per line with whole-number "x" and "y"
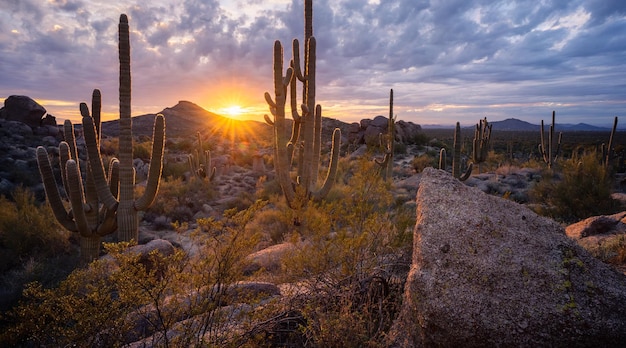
{"x": 233, "y": 111}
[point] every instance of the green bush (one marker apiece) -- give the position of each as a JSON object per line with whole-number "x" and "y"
{"x": 179, "y": 200}
{"x": 28, "y": 229}
{"x": 120, "y": 299}
{"x": 582, "y": 189}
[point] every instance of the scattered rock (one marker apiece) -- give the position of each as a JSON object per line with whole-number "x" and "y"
{"x": 490, "y": 272}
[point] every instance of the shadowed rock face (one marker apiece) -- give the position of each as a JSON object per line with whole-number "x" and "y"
{"x": 490, "y": 272}
{"x": 24, "y": 109}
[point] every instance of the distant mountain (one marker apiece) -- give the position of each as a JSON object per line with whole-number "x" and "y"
{"x": 513, "y": 124}
{"x": 183, "y": 120}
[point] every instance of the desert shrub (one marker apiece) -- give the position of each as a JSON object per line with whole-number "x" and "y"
{"x": 423, "y": 161}
{"x": 266, "y": 189}
{"x": 179, "y": 200}
{"x": 119, "y": 300}
{"x": 350, "y": 250}
{"x": 28, "y": 229}
{"x": 582, "y": 189}
{"x": 271, "y": 223}
{"x": 142, "y": 150}
{"x": 399, "y": 148}
{"x": 175, "y": 169}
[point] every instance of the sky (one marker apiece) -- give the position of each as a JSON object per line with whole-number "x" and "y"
{"x": 446, "y": 60}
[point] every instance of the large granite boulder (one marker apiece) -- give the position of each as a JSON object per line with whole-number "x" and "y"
{"x": 488, "y": 272}
{"x": 368, "y": 131}
{"x": 23, "y": 109}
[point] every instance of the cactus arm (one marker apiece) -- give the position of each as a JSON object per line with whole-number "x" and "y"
{"x": 64, "y": 156}
{"x": 332, "y": 167}
{"x": 295, "y": 62}
{"x": 95, "y": 160}
{"x": 608, "y": 155}
{"x": 108, "y": 224}
{"x": 317, "y": 143}
{"x": 467, "y": 173}
{"x": 442, "y": 159}
{"x": 156, "y": 165}
{"x": 76, "y": 194}
{"x": 52, "y": 190}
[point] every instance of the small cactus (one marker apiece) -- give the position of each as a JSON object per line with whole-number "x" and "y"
{"x": 608, "y": 153}
{"x": 387, "y": 142}
{"x": 456, "y": 157}
{"x": 200, "y": 162}
{"x": 482, "y": 135}
{"x": 547, "y": 150}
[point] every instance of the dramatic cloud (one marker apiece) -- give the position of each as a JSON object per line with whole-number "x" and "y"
{"x": 447, "y": 60}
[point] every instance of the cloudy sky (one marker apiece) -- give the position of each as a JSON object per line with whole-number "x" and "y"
{"x": 447, "y": 60}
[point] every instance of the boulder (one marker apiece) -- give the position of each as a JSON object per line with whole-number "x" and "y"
{"x": 611, "y": 224}
{"x": 23, "y": 109}
{"x": 380, "y": 122}
{"x": 488, "y": 272}
{"x": 372, "y": 135}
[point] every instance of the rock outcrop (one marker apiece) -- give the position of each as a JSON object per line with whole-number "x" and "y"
{"x": 23, "y": 109}
{"x": 489, "y": 272}
{"x": 367, "y": 131}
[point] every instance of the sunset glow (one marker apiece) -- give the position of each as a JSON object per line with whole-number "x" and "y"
{"x": 445, "y": 63}
{"x": 233, "y": 111}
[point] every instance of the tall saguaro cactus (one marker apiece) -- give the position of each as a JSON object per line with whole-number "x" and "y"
{"x": 86, "y": 216}
{"x": 456, "y": 157}
{"x": 548, "y": 151}
{"x": 127, "y": 206}
{"x": 306, "y": 135}
{"x": 387, "y": 142}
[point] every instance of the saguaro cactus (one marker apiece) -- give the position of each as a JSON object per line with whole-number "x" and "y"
{"x": 548, "y": 151}
{"x": 127, "y": 206}
{"x": 200, "y": 162}
{"x": 482, "y": 135}
{"x": 387, "y": 142}
{"x": 607, "y": 150}
{"x": 307, "y": 128}
{"x": 86, "y": 216}
{"x": 456, "y": 157}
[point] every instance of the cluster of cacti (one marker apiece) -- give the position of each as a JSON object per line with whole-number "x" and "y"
{"x": 86, "y": 215}
{"x": 126, "y": 205}
{"x": 608, "y": 153}
{"x": 200, "y": 162}
{"x": 456, "y": 157}
{"x": 482, "y": 135}
{"x": 387, "y": 142}
{"x": 306, "y": 134}
{"x": 548, "y": 151}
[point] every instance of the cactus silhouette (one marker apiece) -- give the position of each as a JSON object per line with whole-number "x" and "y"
{"x": 608, "y": 153}
{"x": 548, "y": 151}
{"x": 482, "y": 135}
{"x": 387, "y": 142}
{"x": 456, "y": 157}
{"x": 306, "y": 134}
{"x": 200, "y": 162}
{"x": 127, "y": 206}
{"x": 85, "y": 216}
